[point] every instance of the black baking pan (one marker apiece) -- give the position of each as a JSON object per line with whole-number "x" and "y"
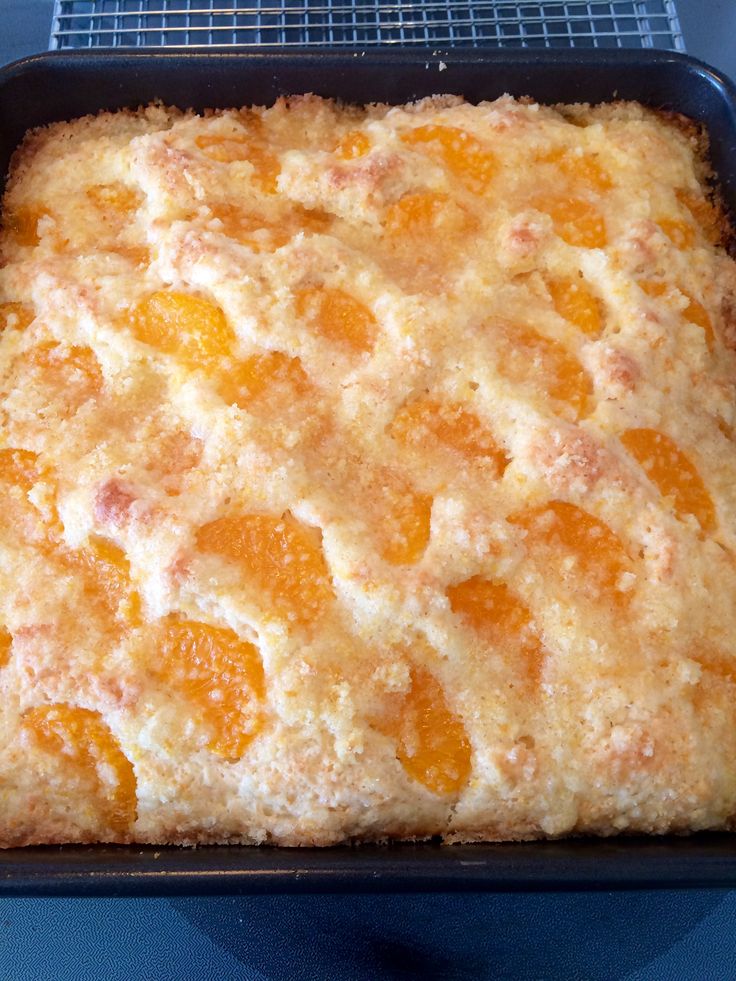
{"x": 52, "y": 87}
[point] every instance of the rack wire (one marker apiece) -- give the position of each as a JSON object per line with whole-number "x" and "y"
{"x": 228, "y": 23}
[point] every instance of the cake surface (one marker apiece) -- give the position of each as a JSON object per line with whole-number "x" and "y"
{"x": 366, "y": 474}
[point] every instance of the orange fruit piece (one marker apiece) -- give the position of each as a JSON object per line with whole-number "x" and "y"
{"x": 461, "y": 152}
{"x": 454, "y": 426}
{"x": 425, "y": 234}
{"x": 218, "y": 673}
{"x": 531, "y": 357}
{"x": 81, "y": 738}
{"x": 115, "y": 196}
{"x": 250, "y": 229}
{"x": 176, "y": 452}
{"x": 576, "y": 221}
{"x": 281, "y": 556}
{"x": 694, "y": 312}
{"x": 138, "y": 255}
{"x": 575, "y": 302}
{"x": 716, "y": 661}
{"x": 653, "y": 287}
{"x": 106, "y": 572}
{"x": 258, "y": 374}
{"x": 672, "y": 473}
{"x": 267, "y": 169}
{"x": 309, "y": 219}
{"x": 680, "y": 233}
{"x": 422, "y": 214}
{"x": 583, "y": 168}
{"x": 6, "y": 642}
{"x": 19, "y": 467}
{"x": 190, "y": 327}
{"x": 499, "y": 617}
{"x": 580, "y": 548}
{"x": 355, "y": 143}
{"x": 433, "y": 746}
{"x": 703, "y": 212}
{"x": 337, "y": 316}
{"x": 242, "y": 146}
{"x": 115, "y": 200}
{"x": 405, "y": 524}
{"x": 258, "y": 234}
{"x": 225, "y": 147}
{"x": 73, "y": 372}
{"x": 17, "y": 315}
{"x": 23, "y": 225}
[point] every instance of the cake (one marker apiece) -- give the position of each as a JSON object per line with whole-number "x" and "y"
{"x": 367, "y": 474}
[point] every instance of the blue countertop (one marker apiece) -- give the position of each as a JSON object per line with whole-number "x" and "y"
{"x": 637, "y": 936}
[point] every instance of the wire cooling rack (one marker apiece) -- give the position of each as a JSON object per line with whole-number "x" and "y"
{"x": 225, "y": 23}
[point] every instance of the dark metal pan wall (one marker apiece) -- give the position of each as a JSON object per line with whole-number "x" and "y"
{"x": 61, "y": 86}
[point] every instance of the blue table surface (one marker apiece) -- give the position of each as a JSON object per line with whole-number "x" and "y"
{"x": 638, "y": 936}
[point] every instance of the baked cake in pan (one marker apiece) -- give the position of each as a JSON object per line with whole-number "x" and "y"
{"x": 366, "y": 474}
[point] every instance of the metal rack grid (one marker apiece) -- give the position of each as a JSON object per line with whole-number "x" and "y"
{"x": 225, "y": 23}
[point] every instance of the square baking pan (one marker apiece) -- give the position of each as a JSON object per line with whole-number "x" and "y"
{"x": 58, "y": 86}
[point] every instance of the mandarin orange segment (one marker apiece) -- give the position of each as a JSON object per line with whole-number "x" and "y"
{"x": 694, "y": 312}
{"x": 261, "y": 235}
{"x": 680, "y": 233}
{"x": 337, "y": 316}
{"x": 80, "y": 738}
{"x": 19, "y": 467}
{"x": 406, "y": 524}
{"x": 353, "y": 144}
{"x": 224, "y": 147}
{"x": 260, "y": 373}
{"x": 176, "y": 453}
{"x": 672, "y": 472}
{"x": 531, "y": 357}
{"x": 139, "y": 255}
{"x": 576, "y": 221}
{"x": 500, "y": 618}
{"x": 281, "y": 557}
{"x": 653, "y": 287}
{"x": 73, "y": 372}
{"x": 575, "y": 302}
{"x": 190, "y": 327}
{"x": 716, "y": 661}
{"x": 234, "y": 147}
{"x": 703, "y": 212}
{"x": 106, "y": 573}
{"x": 425, "y": 234}
{"x": 250, "y": 229}
{"x": 421, "y": 214}
{"x": 583, "y": 168}
{"x": 461, "y": 152}
{"x": 267, "y": 169}
{"x": 114, "y": 200}
{"x": 220, "y": 675}
{"x": 451, "y": 424}
{"x": 16, "y": 315}
{"x": 236, "y": 222}
{"x": 23, "y": 225}
{"x": 432, "y": 744}
{"x": 6, "y": 643}
{"x": 309, "y": 219}
{"x": 580, "y": 548}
